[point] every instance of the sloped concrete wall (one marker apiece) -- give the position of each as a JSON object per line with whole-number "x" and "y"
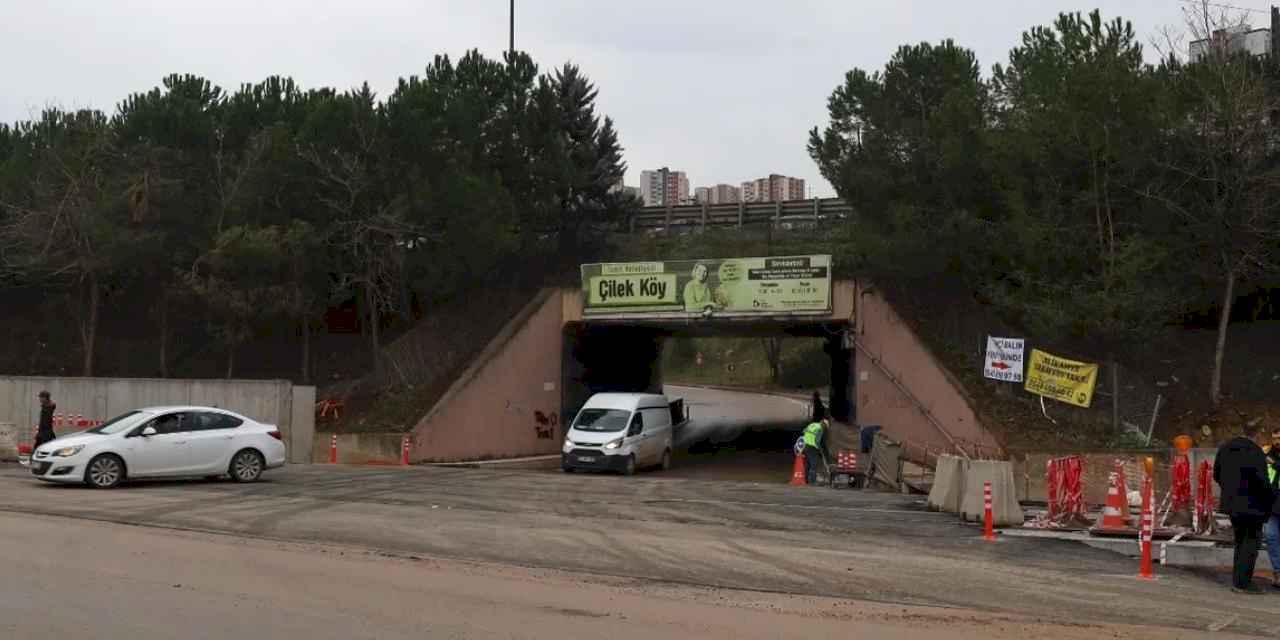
{"x": 507, "y": 404}
{"x": 887, "y": 349}
{"x": 269, "y": 401}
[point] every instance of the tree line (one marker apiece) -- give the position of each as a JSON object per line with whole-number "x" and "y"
{"x": 261, "y": 207}
{"x": 1089, "y": 196}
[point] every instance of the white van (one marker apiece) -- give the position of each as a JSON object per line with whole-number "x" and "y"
{"x": 622, "y": 432}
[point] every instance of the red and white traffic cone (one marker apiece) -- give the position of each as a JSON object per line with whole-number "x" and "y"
{"x": 333, "y": 449}
{"x": 404, "y": 451}
{"x": 1148, "y": 525}
{"x": 988, "y": 518}
{"x": 797, "y": 472}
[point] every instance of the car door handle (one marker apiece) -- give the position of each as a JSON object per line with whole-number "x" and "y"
{"x": 179, "y": 441}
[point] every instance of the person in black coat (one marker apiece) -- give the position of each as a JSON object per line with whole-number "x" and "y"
{"x": 44, "y": 432}
{"x": 1240, "y": 470}
{"x": 819, "y": 411}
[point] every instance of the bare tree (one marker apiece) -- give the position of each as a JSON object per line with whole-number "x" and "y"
{"x": 370, "y": 230}
{"x": 1223, "y": 178}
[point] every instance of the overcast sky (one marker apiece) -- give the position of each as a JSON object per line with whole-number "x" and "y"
{"x": 725, "y": 90}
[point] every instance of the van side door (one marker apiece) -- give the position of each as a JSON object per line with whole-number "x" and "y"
{"x": 635, "y": 438}
{"x": 658, "y": 432}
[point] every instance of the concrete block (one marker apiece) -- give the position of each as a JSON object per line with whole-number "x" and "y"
{"x": 1004, "y": 498}
{"x": 948, "y": 484}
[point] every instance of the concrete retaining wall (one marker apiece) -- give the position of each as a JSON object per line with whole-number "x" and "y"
{"x": 275, "y": 402}
{"x": 359, "y": 448}
{"x": 507, "y": 404}
{"x": 8, "y": 442}
{"x": 889, "y": 349}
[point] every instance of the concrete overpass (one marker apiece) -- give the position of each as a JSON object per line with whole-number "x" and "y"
{"x": 518, "y": 395}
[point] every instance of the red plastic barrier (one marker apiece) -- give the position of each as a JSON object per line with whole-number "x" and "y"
{"x": 1181, "y": 490}
{"x": 1203, "y": 520}
{"x": 1073, "y": 487}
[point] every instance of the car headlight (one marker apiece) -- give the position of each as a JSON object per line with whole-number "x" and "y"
{"x": 614, "y": 445}
{"x": 568, "y": 446}
{"x": 67, "y": 452}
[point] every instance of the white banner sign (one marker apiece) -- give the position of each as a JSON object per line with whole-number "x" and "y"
{"x": 1004, "y": 359}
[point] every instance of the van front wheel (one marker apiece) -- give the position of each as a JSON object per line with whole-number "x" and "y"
{"x": 629, "y": 467}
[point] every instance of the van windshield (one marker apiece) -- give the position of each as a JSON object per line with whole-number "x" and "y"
{"x": 602, "y": 420}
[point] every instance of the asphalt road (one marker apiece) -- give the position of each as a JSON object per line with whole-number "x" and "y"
{"x": 667, "y": 533}
{"x": 76, "y": 578}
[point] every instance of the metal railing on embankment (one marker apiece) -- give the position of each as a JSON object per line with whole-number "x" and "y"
{"x": 785, "y": 214}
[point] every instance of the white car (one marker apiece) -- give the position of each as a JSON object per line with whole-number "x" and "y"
{"x": 162, "y": 442}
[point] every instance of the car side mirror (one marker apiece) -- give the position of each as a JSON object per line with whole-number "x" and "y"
{"x": 633, "y": 431}
{"x": 148, "y": 432}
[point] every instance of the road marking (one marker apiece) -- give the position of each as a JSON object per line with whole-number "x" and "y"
{"x": 1219, "y": 626}
{"x": 824, "y": 507}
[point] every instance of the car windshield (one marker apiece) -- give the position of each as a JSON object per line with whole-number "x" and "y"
{"x": 118, "y": 423}
{"x": 602, "y": 420}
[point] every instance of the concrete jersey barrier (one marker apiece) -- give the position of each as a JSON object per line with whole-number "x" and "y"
{"x": 1005, "y": 509}
{"x": 948, "y": 484}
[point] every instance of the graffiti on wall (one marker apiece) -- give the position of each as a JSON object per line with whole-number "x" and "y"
{"x": 545, "y": 424}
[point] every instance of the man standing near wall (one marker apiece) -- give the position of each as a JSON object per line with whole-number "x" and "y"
{"x": 1240, "y": 470}
{"x": 44, "y": 433}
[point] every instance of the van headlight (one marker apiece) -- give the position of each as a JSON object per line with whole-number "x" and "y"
{"x": 568, "y": 446}
{"x": 67, "y": 452}
{"x": 614, "y": 444}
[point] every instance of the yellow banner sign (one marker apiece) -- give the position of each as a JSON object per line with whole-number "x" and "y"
{"x": 1061, "y": 379}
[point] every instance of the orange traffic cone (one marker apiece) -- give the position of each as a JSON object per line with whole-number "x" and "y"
{"x": 797, "y": 472}
{"x": 1115, "y": 514}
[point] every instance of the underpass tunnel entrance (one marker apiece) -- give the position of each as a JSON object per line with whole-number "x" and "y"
{"x": 747, "y": 386}
{"x": 601, "y": 358}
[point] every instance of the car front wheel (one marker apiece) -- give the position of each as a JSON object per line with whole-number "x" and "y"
{"x": 247, "y": 466}
{"x": 104, "y": 472}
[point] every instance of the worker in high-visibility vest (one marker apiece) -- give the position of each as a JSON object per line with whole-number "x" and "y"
{"x": 1271, "y": 531}
{"x": 813, "y": 448}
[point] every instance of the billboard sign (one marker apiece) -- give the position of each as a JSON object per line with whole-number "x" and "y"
{"x": 734, "y": 286}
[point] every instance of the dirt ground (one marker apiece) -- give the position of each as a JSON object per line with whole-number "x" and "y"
{"x": 715, "y": 537}
{"x": 75, "y": 578}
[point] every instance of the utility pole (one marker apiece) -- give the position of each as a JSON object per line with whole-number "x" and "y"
{"x": 512, "y": 47}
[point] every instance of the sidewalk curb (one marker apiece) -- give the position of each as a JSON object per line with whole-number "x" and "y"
{"x": 530, "y": 462}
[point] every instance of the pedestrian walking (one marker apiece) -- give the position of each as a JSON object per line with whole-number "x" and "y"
{"x": 1240, "y": 470}
{"x": 1271, "y": 532}
{"x": 813, "y": 449}
{"x": 44, "y": 432}
{"x": 819, "y": 411}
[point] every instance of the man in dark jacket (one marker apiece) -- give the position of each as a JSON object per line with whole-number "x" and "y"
{"x": 1271, "y": 532}
{"x": 44, "y": 433}
{"x": 819, "y": 411}
{"x": 1240, "y": 470}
